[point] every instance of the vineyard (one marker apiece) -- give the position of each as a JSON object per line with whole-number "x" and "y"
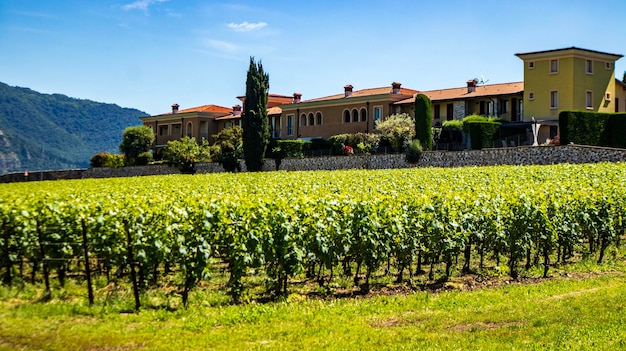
{"x": 316, "y": 226}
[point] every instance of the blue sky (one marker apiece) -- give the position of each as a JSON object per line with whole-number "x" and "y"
{"x": 149, "y": 54}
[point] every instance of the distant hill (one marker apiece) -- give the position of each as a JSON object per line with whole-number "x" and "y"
{"x": 43, "y": 131}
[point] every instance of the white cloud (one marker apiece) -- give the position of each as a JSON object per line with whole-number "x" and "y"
{"x": 246, "y": 27}
{"x": 222, "y": 45}
{"x": 141, "y": 4}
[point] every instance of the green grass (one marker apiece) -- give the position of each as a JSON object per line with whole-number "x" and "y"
{"x": 586, "y": 310}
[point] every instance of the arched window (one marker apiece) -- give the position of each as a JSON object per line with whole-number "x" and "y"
{"x": 318, "y": 118}
{"x": 189, "y": 129}
{"x": 363, "y": 115}
{"x": 346, "y": 116}
{"x": 355, "y": 115}
{"x": 303, "y": 119}
{"x": 311, "y": 119}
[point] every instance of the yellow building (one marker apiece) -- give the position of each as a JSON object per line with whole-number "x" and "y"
{"x": 567, "y": 79}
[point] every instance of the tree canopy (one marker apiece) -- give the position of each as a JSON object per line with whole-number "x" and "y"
{"x": 423, "y": 121}
{"x": 135, "y": 140}
{"x": 256, "y": 134}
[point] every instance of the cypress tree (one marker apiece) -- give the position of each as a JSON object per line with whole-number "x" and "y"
{"x": 256, "y": 134}
{"x": 423, "y": 121}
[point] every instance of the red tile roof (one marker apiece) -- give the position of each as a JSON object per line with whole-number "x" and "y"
{"x": 270, "y": 111}
{"x": 461, "y": 93}
{"x": 208, "y": 109}
{"x": 365, "y": 92}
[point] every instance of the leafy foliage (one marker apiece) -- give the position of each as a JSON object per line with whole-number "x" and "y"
{"x": 135, "y": 141}
{"x": 414, "y": 152}
{"x": 256, "y": 134}
{"x": 53, "y": 131}
{"x": 423, "y": 121}
{"x": 259, "y": 225}
{"x": 399, "y": 129}
{"x": 184, "y": 153}
{"x": 105, "y": 159}
{"x": 228, "y": 148}
{"x": 363, "y": 143}
{"x": 593, "y": 128}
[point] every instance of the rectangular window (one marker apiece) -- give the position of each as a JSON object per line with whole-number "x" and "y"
{"x": 164, "y": 129}
{"x": 437, "y": 111}
{"x": 531, "y": 95}
{"x": 449, "y": 112}
{"x": 378, "y": 115}
{"x": 589, "y": 66}
{"x": 554, "y": 99}
{"x": 554, "y": 66}
{"x": 531, "y": 64}
{"x": 589, "y": 99}
{"x": 289, "y": 125}
{"x": 503, "y": 106}
{"x": 177, "y": 129}
{"x": 607, "y": 96}
{"x": 607, "y": 65}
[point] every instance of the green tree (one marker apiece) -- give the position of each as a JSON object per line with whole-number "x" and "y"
{"x": 135, "y": 140}
{"x": 184, "y": 153}
{"x": 256, "y": 134}
{"x": 423, "y": 121}
{"x": 399, "y": 129}
{"x": 228, "y": 148}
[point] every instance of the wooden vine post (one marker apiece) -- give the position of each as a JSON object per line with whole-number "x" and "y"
{"x": 131, "y": 263}
{"x": 7, "y": 279}
{"x": 44, "y": 264}
{"x": 87, "y": 267}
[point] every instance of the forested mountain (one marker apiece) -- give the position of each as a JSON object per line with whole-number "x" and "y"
{"x": 53, "y": 131}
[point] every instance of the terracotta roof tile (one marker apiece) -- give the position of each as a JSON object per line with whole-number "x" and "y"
{"x": 208, "y": 108}
{"x": 461, "y": 93}
{"x": 364, "y": 92}
{"x": 270, "y": 111}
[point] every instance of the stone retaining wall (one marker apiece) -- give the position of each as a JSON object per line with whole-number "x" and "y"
{"x": 524, "y": 155}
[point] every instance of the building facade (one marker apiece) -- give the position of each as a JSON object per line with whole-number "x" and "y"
{"x": 567, "y": 79}
{"x": 353, "y": 111}
{"x": 554, "y": 80}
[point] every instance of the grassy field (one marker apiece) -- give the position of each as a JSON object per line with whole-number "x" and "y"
{"x": 583, "y": 306}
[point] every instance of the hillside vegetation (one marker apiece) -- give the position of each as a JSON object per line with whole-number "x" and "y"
{"x": 54, "y": 131}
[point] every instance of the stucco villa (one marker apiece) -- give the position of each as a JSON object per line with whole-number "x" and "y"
{"x": 554, "y": 80}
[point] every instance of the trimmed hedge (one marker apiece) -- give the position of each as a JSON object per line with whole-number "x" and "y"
{"x": 593, "y": 128}
{"x": 291, "y": 148}
{"x": 482, "y": 133}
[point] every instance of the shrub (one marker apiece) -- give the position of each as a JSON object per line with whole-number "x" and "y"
{"x": 481, "y": 134}
{"x": 135, "y": 140}
{"x": 414, "y": 151}
{"x": 593, "y": 128}
{"x": 291, "y": 148}
{"x": 399, "y": 129}
{"x": 184, "y": 153}
{"x": 144, "y": 158}
{"x": 337, "y": 143}
{"x": 228, "y": 148}
{"x": 368, "y": 142}
{"x": 105, "y": 159}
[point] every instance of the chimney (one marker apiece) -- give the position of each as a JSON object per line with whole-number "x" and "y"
{"x": 348, "y": 90}
{"x": 395, "y": 88}
{"x": 297, "y": 97}
{"x": 175, "y": 108}
{"x": 471, "y": 85}
{"x": 236, "y": 110}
